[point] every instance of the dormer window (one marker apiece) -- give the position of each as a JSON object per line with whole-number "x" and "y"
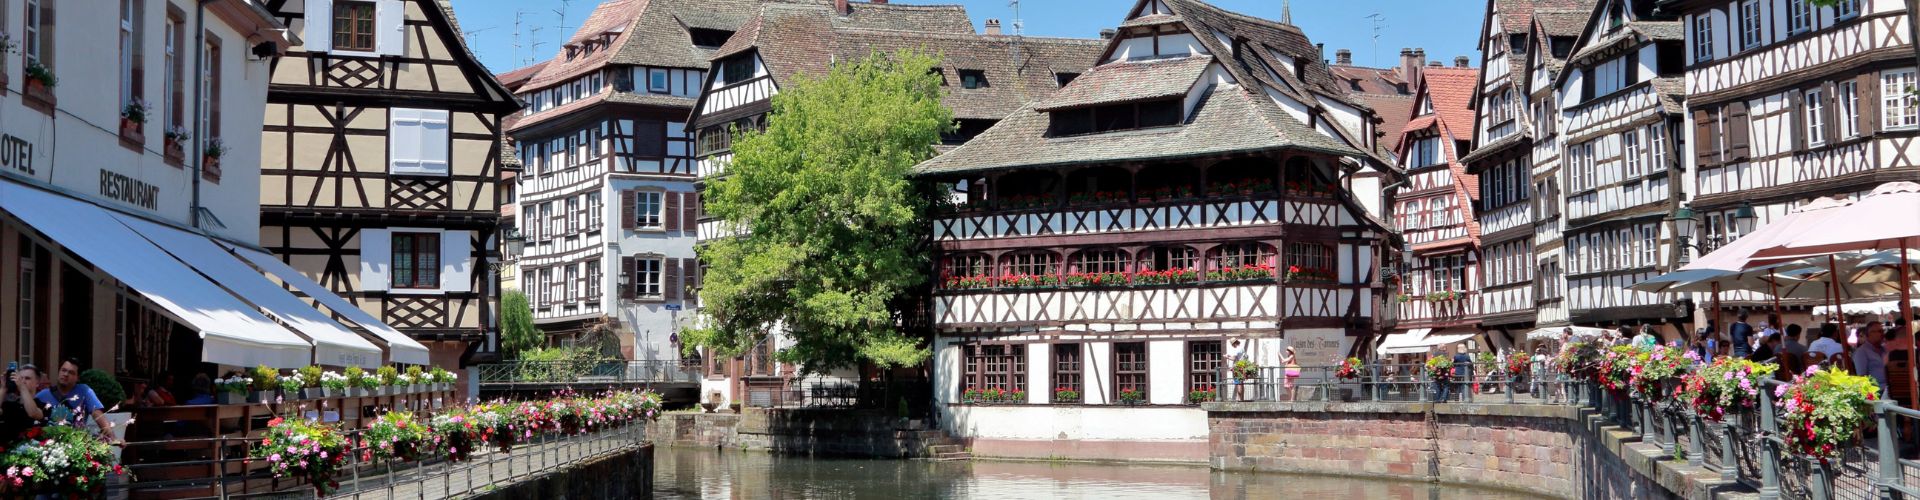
{"x": 1109, "y": 118}
{"x": 708, "y": 38}
{"x": 1064, "y": 78}
{"x": 736, "y": 69}
{"x": 973, "y": 78}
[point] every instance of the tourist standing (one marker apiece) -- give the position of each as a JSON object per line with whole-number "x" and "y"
{"x": 1740, "y": 335}
{"x": 1292, "y": 370}
{"x": 74, "y": 403}
{"x": 1642, "y": 340}
{"x": 1871, "y": 358}
{"x": 1462, "y": 371}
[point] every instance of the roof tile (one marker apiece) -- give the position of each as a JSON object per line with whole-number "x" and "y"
{"x": 1129, "y": 81}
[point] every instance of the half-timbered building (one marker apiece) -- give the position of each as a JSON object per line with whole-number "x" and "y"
{"x": 379, "y": 158}
{"x": 1182, "y": 204}
{"x": 509, "y": 186}
{"x": 1619, "y": 126}
{"x": 986, "y": 76}
{"x": 1789, "y": 102}
{"x": 1553, "y": 35}
{"x": 1439, "y": 295}
{"x": 124, "y": 244}
{"x": 1509, "y": 123}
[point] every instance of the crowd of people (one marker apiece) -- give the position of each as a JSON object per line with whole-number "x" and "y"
{"x": 36, "y": 397}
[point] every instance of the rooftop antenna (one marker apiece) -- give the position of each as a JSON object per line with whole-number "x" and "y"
{"x": 517, "y": 60}
{"x": 471, "y": 33}
{"x": 1019, "y": 26}
{"x": 1379, "y": 23}
{"x": 1286, "y": 12}
{"x": 533, "y": 49}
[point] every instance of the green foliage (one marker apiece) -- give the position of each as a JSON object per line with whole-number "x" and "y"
{"x": 310, "y": 377}
{"x": 265, "y": 378}
{"x": 1729, "y": 384}
{"x": 834, "y": 240}
{"x": 556, "y": 364}
{"x": 356, "y": 376}
{"x": 517, "y": 333}
{"x": 1824, "y": 411}
{"x": 388, "y": 375}
{"x": 104, "y": 386}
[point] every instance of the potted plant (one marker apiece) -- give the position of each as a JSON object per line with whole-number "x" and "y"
{"x": 1066, "y": 395}
{"x": 133, "y": 118}
{"x": 355, "y": 379}
{"x": 175, "y": 143}
{"x": 416, "y": 379}
{"x": 1015, "y": 396}
{"x": 1823, "y": 411}
{"x": 1440, "y": 369}
{"x": 111, "y": 394}
{"x": 233, "y": 389}
{"x": 40, "y": 81}
{"x": 1244, "y": 370}
{"x": 1132, "y": 396}
{"x": 310, "y": 379}
{"x": 333, "y": 385}
{"x": 442, "y": 379}
{"x": 399, "y": 435}
{"x": 59, "y": 461}
{"x": 266, "y": 385}
{"x": 293, "y": 386}
{"x": 1729, "y": 384}
{"x": 210, "y": 157}
{"x": 713, "y": 402}
{"x": 1201, "y": 395}
{"x": 299, "y": 448}
{"x": 388, "y": 377}
{"x": 1349, "y": 369}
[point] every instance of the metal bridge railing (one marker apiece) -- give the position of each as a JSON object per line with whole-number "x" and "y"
{"x": 586, "y": 372}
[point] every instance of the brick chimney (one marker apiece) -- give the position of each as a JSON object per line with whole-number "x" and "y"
{"x": 1459, "y": 61}
{"x": 1411, "y": 63}
{"x": 993, "y": 26}
{"x": 841, "y": 7}
{"x": 1342, "y": 56}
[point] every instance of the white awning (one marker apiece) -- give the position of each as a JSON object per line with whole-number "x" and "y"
{"x": 333, "y": 343}
{"x": 1418, "y": 340}
{"x": 1875, "y": 307}
{"x": 233, "y": 333}
{"x": 1579, "y": 332}
{"x": 400, "y": 347}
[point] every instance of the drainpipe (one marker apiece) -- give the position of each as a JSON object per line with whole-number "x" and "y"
{"x": 199, "y": 111}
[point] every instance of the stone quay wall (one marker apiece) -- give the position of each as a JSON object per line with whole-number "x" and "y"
{"x": 800, "y": 431}
{"x": 1556, "y": 451}
{"x": 621, "y": 475}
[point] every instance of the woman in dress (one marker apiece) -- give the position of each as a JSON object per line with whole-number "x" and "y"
{"x": 1293, "y": 370}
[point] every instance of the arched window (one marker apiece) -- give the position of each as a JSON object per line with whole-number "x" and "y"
{"x": 1032, "y": 268}
{"x": 1167, "y": 264}
{"x": 1246, "y": 176}
{"x": 966, "y": 271}
{"x": 1244, "y": 260}
{"x": 1097, "y": 266}
{"x": 1310, "y": 262}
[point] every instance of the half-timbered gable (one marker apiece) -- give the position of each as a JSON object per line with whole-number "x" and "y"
{"x": 379, "y": 163}
{"x": 1619, "y": 121}
{"x": 1788, "y": 102}
{"x": 1553, "y": 33}
{"x": 1433, "y": 210}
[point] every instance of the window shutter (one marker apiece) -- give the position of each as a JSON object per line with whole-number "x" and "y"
{"x": 1797, "y": 117}
{"x": 1830, "y": 113}
{"x": 456, "y": 261}
{"x": 1867, "y": 88}
{"x": 689, "y": 211}
{"x": 391, "y": 35}
{"x": 626, "y": 278}
{"x": 670, "y": 217}
{"x": 1703, "y": 150}
{"x": 1736, "y": 130}
{"x": 376, "y": 259}
{"x": 627, "y": 211}
{"x": 417, "y": 141}
{"x": 690, "y": 271}
{"x": 318, "y": 35}
{"x": 670, "y": 278}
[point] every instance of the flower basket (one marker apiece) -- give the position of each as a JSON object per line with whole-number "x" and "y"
{"x": 1727, "y": 386}
{"x": 1440, "y": 369}
{"x": 1245, "y": 370}
{"x": 1349, "y": 369}
{"x": 1518, "y": 365}
{"x": 1204, "y": 394}
{"x": 1132, "y": 397}
{"x": 1066, "y": 395}
{"x": 1823, "y": 411}
{"x": 302, "y": 449}
{"x": 61, "y": 460}
{"x": 1654, "y": 368}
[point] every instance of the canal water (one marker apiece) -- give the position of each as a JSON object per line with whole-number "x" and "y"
{"x": 693, "y": 473}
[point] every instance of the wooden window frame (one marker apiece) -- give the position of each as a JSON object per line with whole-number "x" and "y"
{"x": 1031, "y": 261}
{"x": 1102, "y": 260}
{"x": 658, "y": 213}
{"x": 993, "y": 366}
{"x": 1204, "y": 361}
{"x": 1065, "y": 369}
{"x": 1125, "y": 377}
{"x": 1175, "y": 256}
{"x": 353, "y": 10}
{"x": 658, "y": 284}
{"x": 1262, "y": 253}
{"x": 418, "y": 279}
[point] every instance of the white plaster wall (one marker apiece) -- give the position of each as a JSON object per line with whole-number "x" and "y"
{"x": 71, "y": 148}
{"x": 1078, "y": 422}
{"x": 651, "y": 322}
{"x": 1166, "y": 372}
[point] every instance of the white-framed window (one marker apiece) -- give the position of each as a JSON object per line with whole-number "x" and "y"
{"x": 1632, "y": 154}
{"x": 1816, "y": 117}
{"x": 31, "y": 44}
{"x": 593, "y": 280}
{"x": 594, "y": 207}
{"x": 418, "y": 141}
{"x": 129, "y": 58}
{"x": 572, "y": 284}
{"x": 29, "y": 296}
{"x": 648, "y": 209}
{"x": 1702, "y": 37}
{"x": 175, "y": 110}
{"x": 1846, "y": 8}
{"x": 1656, "y": 147}
{"x": 1800, "y": 16}
{"x": 1649, "y": 245}
{"x": 1751, "y": 25}
{"x": 657, "y": 80}
{"x": 1897, "y": 106}
{"x": 1847, "y": 96}
{"x": 576, "y": 220}
{"x": 1425, "y": 152}
{"x": 647, "y": 274}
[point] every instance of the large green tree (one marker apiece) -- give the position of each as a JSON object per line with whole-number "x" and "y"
{"x": 832, "y": 237}
{"x": 517, "y": 333}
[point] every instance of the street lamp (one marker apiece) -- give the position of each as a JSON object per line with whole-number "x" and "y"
{"x": 1683, "y": 226}
{"x": 1743, "y": 217}
{"x": 515, "y": 242}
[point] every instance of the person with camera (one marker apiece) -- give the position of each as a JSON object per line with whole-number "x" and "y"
{"x": 19, "y": 412}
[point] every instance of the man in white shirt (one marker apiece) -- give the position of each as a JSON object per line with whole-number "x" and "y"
{"x": 1827, "y": 345}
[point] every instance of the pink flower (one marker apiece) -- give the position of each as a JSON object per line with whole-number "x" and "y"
{"x": 13, "y": 471}
{"x": 26, "y": 471}
{"x": 273, "y": 458}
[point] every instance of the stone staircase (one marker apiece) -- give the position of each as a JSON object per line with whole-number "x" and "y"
{"x": 935, "y": 445}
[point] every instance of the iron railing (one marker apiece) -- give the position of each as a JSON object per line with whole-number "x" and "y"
{"x": 549, "y": 373}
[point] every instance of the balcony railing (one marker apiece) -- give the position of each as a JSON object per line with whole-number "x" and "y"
{"x": 536, "y": 373}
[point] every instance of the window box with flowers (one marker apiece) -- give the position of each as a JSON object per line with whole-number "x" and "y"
{"x": 133, "y": 123}
{"x": 993, "y": 395}
{"x": 1249, "y": 272}
{"x": 1166, "y": 277}
{"x": 975, "y": 282}
{"x": 210, "y": 159}
{"x": 1066, "y": 395}
{"x": 7, "y": 46}
{"x": 1164, "y": 193}
{"x": 39, "y": 87}
{"x": 175, "y": 148}
{"x": 1131, "y": 397}
{"x": 1242, "y": 187}
{"x": 1297, "y": 274}
{"x": 1202, "y": 394}
{"x": 1094, "y": 279}
{"x": 1023, "y": 202}
{"x": 1097, "y": 198}
{"x": 1445, "y": 296}
{"x": 1029, "y": 281}
{"x": 1309, "y": 189}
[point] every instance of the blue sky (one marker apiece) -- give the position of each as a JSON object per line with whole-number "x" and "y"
{"x": 1445, "y": 28}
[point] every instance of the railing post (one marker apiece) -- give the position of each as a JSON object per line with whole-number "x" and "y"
{"x": 1373, "y": 374}
{"x": 1729, "y": 457}
{"x": 1769, "y": 453}
{"x": 1890, "y": 472}
{"x": 1696, "y": 436}
{"x": 1423, "y": 384}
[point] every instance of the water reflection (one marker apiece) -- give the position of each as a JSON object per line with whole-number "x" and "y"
{"x": 687, "y": 473}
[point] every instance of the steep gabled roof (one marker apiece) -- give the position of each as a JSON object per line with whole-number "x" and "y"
{"x": 644, "y": 32}
{"x": 1451, "y": 91}
{"x": 795, "y": 39}
{"x": 1123, "y": 83}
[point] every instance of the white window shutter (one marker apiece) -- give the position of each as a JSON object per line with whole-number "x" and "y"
{"x": 435, "y": 141}
{"x": 390, "y": 36}
{"x": 456, "y": 261}
{"x": 318, "y": 36}
{"x": 403, "y": 141}
{"x": 376, "y": 259}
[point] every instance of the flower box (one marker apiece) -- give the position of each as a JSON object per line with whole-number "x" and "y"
{"x": 175, "y": 151}
{"x": 210, "y": 168}
{"x": 314, "y": 393}
{"x": 264, "y": 397}
{"x": 39, "y": 95}
{"x": 230, "y": 398}
{"x": 134, "y": 132}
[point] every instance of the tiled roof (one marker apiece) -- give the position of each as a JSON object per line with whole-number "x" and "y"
{"x": 1658, "y": 30}
{"x": 514, "y": 79}
{"x": 1482, "y": 151}
{"x": 1452, "y": 92}
{"x": 645, "y": 32}
{"x": 1517, "y": 15}
{"x": 1150, "y": 20}
{"x": 1562, "y": 22}
{"x": 1365, "y": 80}
{"x": 794, "y": 39}
{"x": 1128, "y": 82}
{"x": 1393, "y": 110}
{"x": 1232, "y": 119}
